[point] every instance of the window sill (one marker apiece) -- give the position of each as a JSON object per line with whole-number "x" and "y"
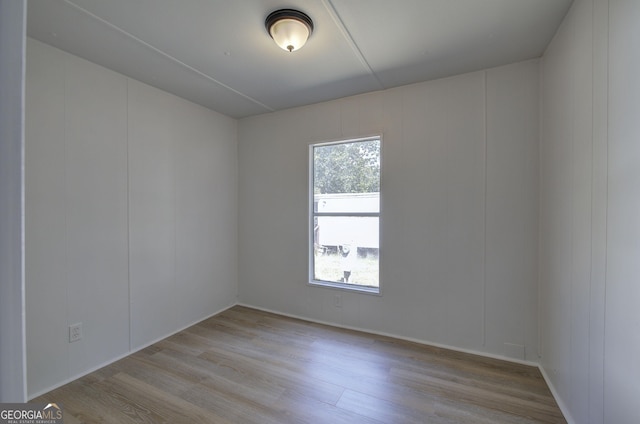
{"x": 346, "y": 287}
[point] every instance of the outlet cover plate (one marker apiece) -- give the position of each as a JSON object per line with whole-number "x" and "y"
{"x": 75, "y": 332}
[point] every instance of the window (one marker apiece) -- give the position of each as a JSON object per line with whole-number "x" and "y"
{"x": 345, "y": 214}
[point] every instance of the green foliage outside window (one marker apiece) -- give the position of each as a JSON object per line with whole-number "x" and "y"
{"x": 347, "y": 168}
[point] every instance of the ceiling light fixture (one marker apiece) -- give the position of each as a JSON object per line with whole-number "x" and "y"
{"x": 289, "y": 28}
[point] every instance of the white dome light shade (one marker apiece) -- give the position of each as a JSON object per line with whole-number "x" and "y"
{"x": 289, "y": 34}
{"x": 289, "y": 28}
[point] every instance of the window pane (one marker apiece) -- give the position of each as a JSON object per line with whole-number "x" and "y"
{"x": 346, "y": 250}
{"x": 347, "y": 167}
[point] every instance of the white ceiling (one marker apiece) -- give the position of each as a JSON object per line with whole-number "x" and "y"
{"x": 218, "y": 53}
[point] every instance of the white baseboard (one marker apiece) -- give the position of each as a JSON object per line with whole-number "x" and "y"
{"x": 395, "y": 336}
{"x": 554, "y": 392}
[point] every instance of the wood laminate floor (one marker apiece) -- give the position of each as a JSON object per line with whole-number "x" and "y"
{"x": 249, "y": 366}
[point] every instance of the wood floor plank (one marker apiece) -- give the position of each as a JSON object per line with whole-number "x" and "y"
{"x": 284, "y": 377}
{"x": 382, "y": 409}
{"x": 485, "y": 398}
{"x": 250, "y": 366}
{"x": 172, "y": 409}
{"x": 299, "y": 408}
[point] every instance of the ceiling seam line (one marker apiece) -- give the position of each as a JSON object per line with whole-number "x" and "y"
{"x": 328, "y": 4}
{"x": 168, "y": 56}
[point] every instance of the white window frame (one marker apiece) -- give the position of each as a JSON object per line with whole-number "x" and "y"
{"x": 313, "y": 214}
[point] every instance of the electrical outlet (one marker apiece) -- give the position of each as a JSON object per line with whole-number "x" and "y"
{"x": 337, "y": 301}
{"x": 75, "y": 332}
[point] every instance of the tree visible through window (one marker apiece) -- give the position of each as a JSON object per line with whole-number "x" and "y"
{"x": 345, "y": 215}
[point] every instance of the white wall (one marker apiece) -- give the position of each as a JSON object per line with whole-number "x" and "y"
{"x": 182, "y": 212}
{"x": 12, "y": 323}
{"x": 130, "y": 214}
{"x": 459, "y": 202}
{"x": 622, "y": 329}
{"x": 589, "y": 209}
